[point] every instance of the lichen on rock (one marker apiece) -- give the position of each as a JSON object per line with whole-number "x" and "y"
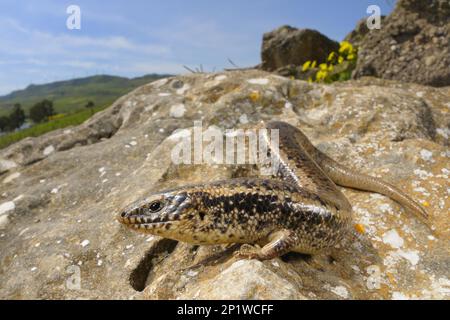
{"x": 378, "y": 127}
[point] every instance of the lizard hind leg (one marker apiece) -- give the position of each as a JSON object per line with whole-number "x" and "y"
{"x": 280, "y": 242}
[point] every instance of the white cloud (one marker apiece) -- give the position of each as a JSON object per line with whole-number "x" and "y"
{"x": 40, "y": 55}
{"x": 36, "y": 56}
{"x": 65, "y": 43}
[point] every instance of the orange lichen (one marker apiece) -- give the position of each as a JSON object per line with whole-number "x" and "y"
{"x": 360, "y": 228}
{"x": 391, "y": 278}
{"x": 255, "y": 96}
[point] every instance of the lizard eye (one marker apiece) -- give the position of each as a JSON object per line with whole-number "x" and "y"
{"x": 155, "y": 206}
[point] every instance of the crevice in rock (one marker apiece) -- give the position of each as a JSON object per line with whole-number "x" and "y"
{"x": 405, "y": 36}
{"x": 153, "y": 256}
{"x": 426, "y": 117}
{"x": 292, "y": 256}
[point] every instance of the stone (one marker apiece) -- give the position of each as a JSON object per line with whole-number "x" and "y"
{"x": 6, "y": 207}
{"x": 417, "y": 31}
{"x": 3, "y": 221}
{"x": 245, "y": 280}
{"x": 11, "y": 177}
{"x": 430, "y": 60}
{"x": 393, "y": 239}
{"x": 50, "y": 149}
{"x": 376, "y": 126}
{"x": 6, "y": 165}
{"x": 177, "y": 110}
{"x": 287, "y": 46}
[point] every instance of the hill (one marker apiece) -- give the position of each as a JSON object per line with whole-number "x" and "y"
{"x": 71, "y": 95}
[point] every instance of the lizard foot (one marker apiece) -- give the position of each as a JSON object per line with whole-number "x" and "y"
{"x": 247, "y": 251}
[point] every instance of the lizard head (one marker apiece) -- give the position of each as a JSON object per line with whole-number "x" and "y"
{"x": 168, "y": 214}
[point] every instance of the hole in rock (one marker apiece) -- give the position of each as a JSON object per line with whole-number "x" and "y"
{"x": 293, "y": 256}
{"x": 153, "y": 256}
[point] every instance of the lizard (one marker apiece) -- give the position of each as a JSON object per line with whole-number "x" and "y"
{"x": 299, "y": 208}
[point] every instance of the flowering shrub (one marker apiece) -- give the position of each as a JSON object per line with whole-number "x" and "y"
{"x": 339, "y": 65}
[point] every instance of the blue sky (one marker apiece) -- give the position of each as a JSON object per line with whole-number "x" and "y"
{"x": 137, "y": 37}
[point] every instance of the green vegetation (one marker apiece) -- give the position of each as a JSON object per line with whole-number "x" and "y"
{"x": 39, "y": 129}
{"x": 41, "y": 111}
{"x": 72, "y": 95}
{"x": 4, "y": 122}
{"x": 60, "y": 104}
{"x": 339, "y": 65}
{"x": 90, "y": 105}
{"x": 14, "y": 120}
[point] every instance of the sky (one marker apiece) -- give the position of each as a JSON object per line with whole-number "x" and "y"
{"x": 136, "y": 37}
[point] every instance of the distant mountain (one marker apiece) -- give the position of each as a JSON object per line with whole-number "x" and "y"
{"x": 71, "y": 95}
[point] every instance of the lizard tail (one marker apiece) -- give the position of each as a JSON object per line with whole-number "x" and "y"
{"x": 348, "y": 178}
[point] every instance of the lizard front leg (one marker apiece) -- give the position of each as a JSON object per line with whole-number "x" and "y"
{"x": 280, "y": 242}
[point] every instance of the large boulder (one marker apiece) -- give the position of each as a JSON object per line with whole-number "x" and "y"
{"x": 288, "y": 46}
{"x": 412, "y": 45}
{"x": 59, "y": 194}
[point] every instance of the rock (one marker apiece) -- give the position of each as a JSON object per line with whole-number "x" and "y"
{"x": 412, "y": 44}
{"x": 6, "y": 165}
{"x": 5, "y": 210}
{"x": 6, "y": 207}
{"x": 50, "y": 149}
{"x": 287, "y": 46}
{"x": 247, "y": 280}
{"x": 177, "y": 111}
{"x": 430, "y": 60}
{"x": 434, "y": 11}
{"x": 3, "y": 221}
{"x": 393, "y": 239}
{"x": 11, "y": 177}
{"x": 356, "y": 36}
{"x": 380, "y": 127}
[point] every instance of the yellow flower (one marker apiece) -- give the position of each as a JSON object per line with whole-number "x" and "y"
{"x": 351, "y": 56}
{"x": 340, "y": 59}
{"x": 345, "y": 47}
{"x": 426, "y": 204}
{"x": 323, "y": 66}
{"x": 321, "y": 75}
{"x": 330, "y": 68}
{"x": 254, "y": 96}
{"x": 331, "y": 56}
{"x": 56, "y": 116}
{"x": 306, "y": 66}
{"x": 313, "y": 65}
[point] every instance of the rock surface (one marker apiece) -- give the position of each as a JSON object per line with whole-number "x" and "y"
{"x": 59, "y": 238}
{"x": 287, "y": 46}
{"x": 412, "y": 45}
{"x": 356, "y": 36}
